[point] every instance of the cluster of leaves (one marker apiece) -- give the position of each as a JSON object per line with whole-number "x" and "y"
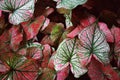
{"x": 52, "y": 40}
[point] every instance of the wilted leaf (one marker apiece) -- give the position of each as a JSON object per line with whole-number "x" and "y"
{"x": 20, "y": 10}
{"x": 66, "y": 55}
{"x": 69, "y": 4}
{"x": 20, "y": 68}
{"x": 98, "y": 71}
{"x": 32, "y": 28}
{"x": 93, "y": 42}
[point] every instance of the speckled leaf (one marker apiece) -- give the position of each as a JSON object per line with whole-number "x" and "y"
{"x": 69, "y": 4}
{"x": 93, "y": 43}
{"x": 66, "y": 55}
{"x": 20, "y": 10}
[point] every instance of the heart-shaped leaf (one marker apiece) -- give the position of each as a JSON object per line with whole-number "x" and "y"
{"x": 93, "y": 42}
{"x": 69, "y": 4}
{"x": 66, "y": 55}
{"x": 20, "y": 10}
{"x": 20, "y": 68}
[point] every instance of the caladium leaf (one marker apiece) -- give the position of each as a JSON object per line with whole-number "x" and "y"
{"x": 15, "y": 37}
{"x": 93, "y": 42}
{"x": 116, "y": 39}
{"x": 46, "y": 55}
{"x": 20, "y": 68}
{"x": 66, "y": 55}
{"x": 20, "y": 10}
{"x": 32, "y": 28}
{"x": 69, "y": 4}
{"x": 98, "y": 71}
{"x": 63, "y": 74}
{"x": 47, "y": 74}
{"x": 32, "y": 50}
{"x": 5, "y": 42}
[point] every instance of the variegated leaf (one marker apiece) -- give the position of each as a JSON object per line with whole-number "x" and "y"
{"x": 69, "y": 4}
{"x": 20, "y": 10}
{"x": 66, "y": 55}
{"x": 19, "y": 67}
{"x": 93, "y": 42}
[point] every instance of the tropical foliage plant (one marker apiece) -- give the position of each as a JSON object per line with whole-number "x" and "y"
{"x": 59, "y": 40}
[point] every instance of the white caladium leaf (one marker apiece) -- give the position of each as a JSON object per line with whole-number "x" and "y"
{"x": 93, "y": 43}
{"x": 20, "y": 10}
{"x": 66, "y": 55}
{"x": 69, "y": 4}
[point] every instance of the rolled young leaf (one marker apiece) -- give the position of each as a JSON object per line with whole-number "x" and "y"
{"x": 20, "y": 10}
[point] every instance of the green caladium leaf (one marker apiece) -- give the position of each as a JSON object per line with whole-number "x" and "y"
{"x": 18, "y": 67}
{"x": 20, "y": 10}
{"x": 69, "y": 4}
{"x": 93, "y": 43}
{"x": 66, "y": 55}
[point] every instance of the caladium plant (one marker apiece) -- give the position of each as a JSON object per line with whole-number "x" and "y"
{"x": 20, "y": 10}
{"x": 59, "y": 40}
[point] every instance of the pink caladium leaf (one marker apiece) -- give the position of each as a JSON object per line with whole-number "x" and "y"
{"x": 66, "y": 55}
{"x": 83, "y": 24}
{"x": 106, "y": 30}
{"x": 5, "y": 42}
{"x": 20, "y": 10}
{"x": 32, "y": 51}
{"x": 16, "y": 37}
{"x": 63, "y": 74}
{"x": 98, "y": 71}
{"x": 32, "y": 28}
{"x": 93, "y": 42}
{"x": 116, "y": 35}
{"x": 46, "y": 55}
{"x": 20, "y": 67}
